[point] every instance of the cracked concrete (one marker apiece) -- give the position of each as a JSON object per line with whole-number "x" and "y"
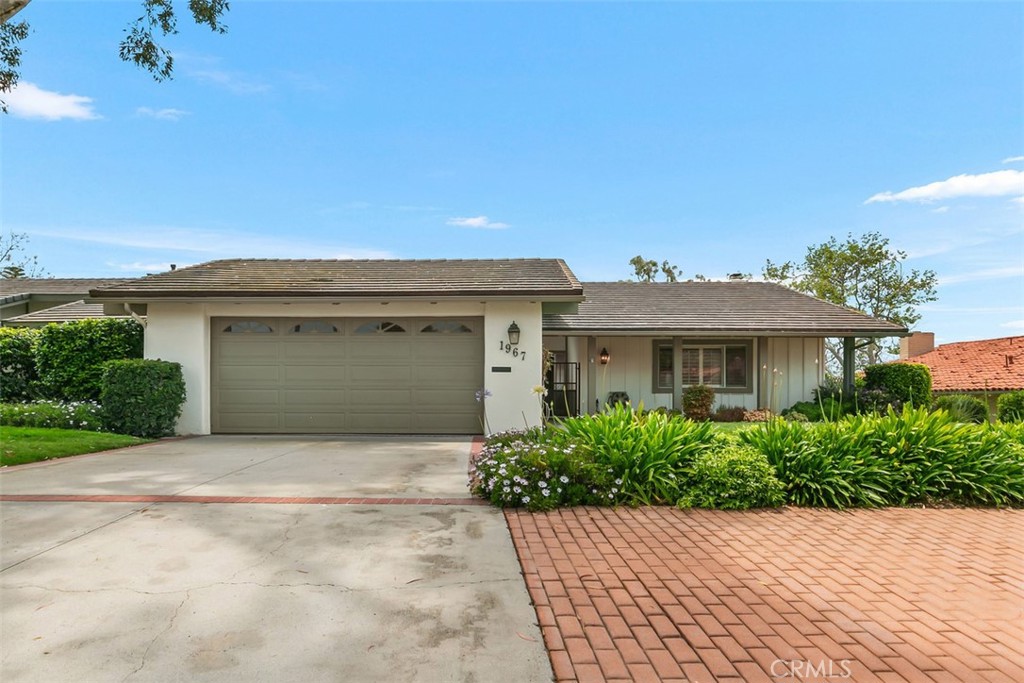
{"x": 206, "y": 592}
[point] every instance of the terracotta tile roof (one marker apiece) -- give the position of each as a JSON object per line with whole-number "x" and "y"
{"x": 548, "y": 278}
{"x": 986, "y": 365}
{"x": 76, "y": 310}
{"x": 712, "y": 308}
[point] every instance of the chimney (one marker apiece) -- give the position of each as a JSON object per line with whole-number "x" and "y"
{"x": 916, "y": 344}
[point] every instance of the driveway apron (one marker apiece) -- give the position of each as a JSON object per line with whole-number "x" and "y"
{"x": 261, "y": 559}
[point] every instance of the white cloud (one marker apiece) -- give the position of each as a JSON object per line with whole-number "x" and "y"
{"x": 205, "y": 245}
{"x": 1012, "y": 160}
{"x": 1013, "y": 324}
{"x": 480, "y": 222}
{"x": 995, "y": 184}
{"x": 138, "y": 267}
{"x": 238, "y": 83}
{"x": 29, "y": 101}
{"x": 941, "y": 209}
{"x": 167, "y": 114}
{"x": 997, "y": 273}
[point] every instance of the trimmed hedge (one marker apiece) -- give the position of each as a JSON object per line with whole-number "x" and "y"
{"x": 142, "y": 397}
{"x": 698, "y": 401}
{"x": 18, "y": 378}
{"x": 70, "y": 356}
{"x": 732, "y": 478}
{"x": 907, "y": 382}
{"x": 1010, "y": 407}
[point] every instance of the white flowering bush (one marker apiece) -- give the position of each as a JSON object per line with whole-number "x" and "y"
{"x": 83, "y": 415}
{"x": 537, "y": 470}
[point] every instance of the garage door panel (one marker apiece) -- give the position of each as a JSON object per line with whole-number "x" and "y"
{"x": 315, "y": 381}
{"x": 397, "y": 399}
{"x": 313, "y": 352}
{"x": 375, "y": 375}
{"x": 248, "y": 399}
{"x": 298, "y": 374}
{"x": 240, "y": 351}
{"x": 250, "y": 422}
{"x": 312, "y": 398}
{"x": 315, "y": 422}
{"x": 447, "y": 375}
{"x": 248, "y": 374}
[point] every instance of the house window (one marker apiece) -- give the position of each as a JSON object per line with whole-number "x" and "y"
{"x": 724, "y": 366}
{"x": 447, "y": 327}
{"x": 314, "y": 327}
{"x": 254, "y": 326}
{"x": 379, "y": 327}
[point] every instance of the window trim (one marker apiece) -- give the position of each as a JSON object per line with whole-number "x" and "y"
{"x": 688, "y": 343}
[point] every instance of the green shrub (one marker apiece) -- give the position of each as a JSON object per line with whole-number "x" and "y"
{"x": 532, "y": 469}
{"x": 818, "y": 464}
{"x": 697, "y": 402}
{"x": 18, "y": 378}
{"x": 728, "y": 414}
{"x": 84, "y": 415}
{"x": 963, "y": 408}
{"x": 732, "y": 478}
{"x": 908, "y": 382}
{"x": 70, "y": 356}
{"x": 646, "y": 451}
{"x": 142, "y": 397}
{"x": 1010, "y": 407}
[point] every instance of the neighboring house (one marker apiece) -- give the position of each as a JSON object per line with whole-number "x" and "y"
{"x": 347, "y": 346}
{"x": 76, "y": 310}
{"x": 985, "y": 368}
{"x": 19, "y": 296}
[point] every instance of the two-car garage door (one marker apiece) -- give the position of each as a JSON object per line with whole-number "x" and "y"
{"x": 347, "y": 375}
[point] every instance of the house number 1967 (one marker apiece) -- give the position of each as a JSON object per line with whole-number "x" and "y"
{"x": 513, "y": 350}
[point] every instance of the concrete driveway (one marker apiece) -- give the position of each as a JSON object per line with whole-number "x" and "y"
{"x": 261, "y": 559}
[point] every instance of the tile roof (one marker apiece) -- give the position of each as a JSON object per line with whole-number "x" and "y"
{"x": 986, "y": 365}
{"x": 549, "y": 278}
{"x": 712, "y": 308}
{"x": 18, "y": 288}
{"x": 54, "y": 285}
{"x": 76, "y": 310}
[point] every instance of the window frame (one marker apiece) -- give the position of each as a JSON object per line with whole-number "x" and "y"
{"x": 657, "y": 345}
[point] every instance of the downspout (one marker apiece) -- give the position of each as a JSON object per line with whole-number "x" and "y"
{"x": 135, "y": 316}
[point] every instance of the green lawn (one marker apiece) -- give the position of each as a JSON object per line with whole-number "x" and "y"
{"x": 734, "y": 426}
{"x": 19, "y": 445}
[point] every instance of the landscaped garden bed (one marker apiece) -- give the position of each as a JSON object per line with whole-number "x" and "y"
{"x": 626, "y": 456}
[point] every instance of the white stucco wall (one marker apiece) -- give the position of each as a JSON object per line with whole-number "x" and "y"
{"x": 180, "y": 332}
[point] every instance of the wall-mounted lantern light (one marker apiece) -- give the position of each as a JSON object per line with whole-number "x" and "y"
{"x": 605, "y": 356}
{"x": 513, "y": 333}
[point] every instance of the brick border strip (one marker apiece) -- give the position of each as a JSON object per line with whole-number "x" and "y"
{"x": 251, "y": 500}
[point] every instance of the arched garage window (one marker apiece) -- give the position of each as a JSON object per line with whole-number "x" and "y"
{"x": 252, "y": 326}
{"x": 379, "y": 327}
{"x": 314, "y": 327}
{"x": 446, "y": 327}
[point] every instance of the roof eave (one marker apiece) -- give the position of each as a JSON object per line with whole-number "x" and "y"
{"x": 291, "y": 297}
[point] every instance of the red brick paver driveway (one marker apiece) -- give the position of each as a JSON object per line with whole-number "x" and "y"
{"x": 789, "y": 595}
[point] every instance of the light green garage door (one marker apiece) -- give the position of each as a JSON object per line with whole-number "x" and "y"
{"x": 347, "y": 375}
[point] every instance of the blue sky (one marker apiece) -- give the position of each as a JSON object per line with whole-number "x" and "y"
{"x": 714, "y": 135}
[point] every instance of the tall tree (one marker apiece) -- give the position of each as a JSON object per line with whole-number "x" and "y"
{"x": 139, "y": 44}
{"x": 647, "y": 270}
{"x": 864, "y": 274}
{"x": 14, "y": 262}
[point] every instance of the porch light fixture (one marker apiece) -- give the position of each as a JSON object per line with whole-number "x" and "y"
{"x": 513, "y": 333}
{"x": 605, "y": 356}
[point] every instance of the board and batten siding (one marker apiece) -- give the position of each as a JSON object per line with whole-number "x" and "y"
{"x": 630, "y": 369}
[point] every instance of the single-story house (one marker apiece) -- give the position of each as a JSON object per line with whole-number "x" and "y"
{"x": 459, "y": 346}
{"x": 25, "y": 295}
{"x": 984, "y": 368}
